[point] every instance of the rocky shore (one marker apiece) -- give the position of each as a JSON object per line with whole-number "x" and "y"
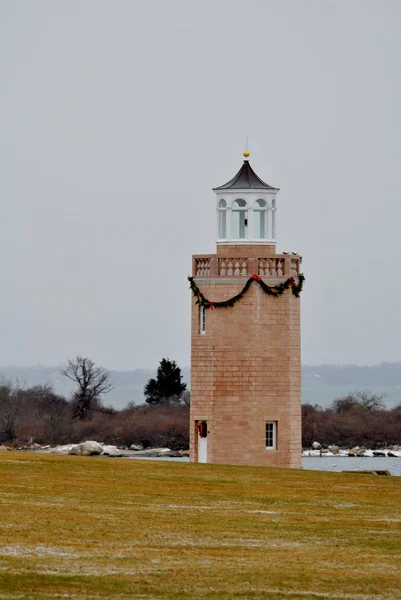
{"x": 93, "y": 448}
{"x": 318, "y": 450}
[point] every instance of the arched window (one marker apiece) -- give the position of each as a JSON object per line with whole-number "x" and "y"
{"x": 222, "y": 220}
{"x": 260, "y": 219}
{"x": 239, "y": 223}
{"x": 274, "y": 219}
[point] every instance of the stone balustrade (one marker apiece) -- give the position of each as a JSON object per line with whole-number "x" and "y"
{"x": 275, "y": 266}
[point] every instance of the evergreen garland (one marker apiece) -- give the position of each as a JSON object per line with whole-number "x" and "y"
{"x": 276, "y": 290}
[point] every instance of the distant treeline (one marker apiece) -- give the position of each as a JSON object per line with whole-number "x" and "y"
{"x": 37, "y": 414}
{"x": 357, "y": 419}
{"x": 385, "y": 374}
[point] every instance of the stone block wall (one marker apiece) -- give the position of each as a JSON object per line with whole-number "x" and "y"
{"x": 245, "y": 371}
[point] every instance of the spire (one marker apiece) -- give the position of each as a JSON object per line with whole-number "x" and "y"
{"x": 246, "y": 152}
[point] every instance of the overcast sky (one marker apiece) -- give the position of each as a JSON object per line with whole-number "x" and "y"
{"x": 118, "y": 116}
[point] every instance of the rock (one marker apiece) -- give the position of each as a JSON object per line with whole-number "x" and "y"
{"x": 353, "y": 451}
{"x": 316, "y": 446}
{"x": 3, "y": 448}
{"x": 184, "y": 452}
{"x": 117, "y": 454}
{"x": 153, "y": 452}
{"x": 379, "y": 453}
{"x": 334, "y": 449}
{"x": 64, "y": 449}
{"x": 136, "y": 447}
{"x": 325, "y": 451}
{"x": 34, "y": 447}
{"x": 314, "y": 453}
{"x": 171, "y": 454}
{"x": 361, "y": 452}
{"x": 88, "y": 448}
{"x": 112, "y": 451}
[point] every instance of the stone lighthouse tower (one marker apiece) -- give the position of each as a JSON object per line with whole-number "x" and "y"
{"x": 245, "y": 358}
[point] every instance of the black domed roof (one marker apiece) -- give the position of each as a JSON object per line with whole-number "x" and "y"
{"x": 246, "y": 178}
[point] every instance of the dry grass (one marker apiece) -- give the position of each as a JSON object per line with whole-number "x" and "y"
{"x": 76, "y": 527}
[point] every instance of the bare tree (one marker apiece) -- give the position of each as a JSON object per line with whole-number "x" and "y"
{"x": 359, "y": 400}
{"x": 92, "y": 382}
{"x": 11, "y": 400}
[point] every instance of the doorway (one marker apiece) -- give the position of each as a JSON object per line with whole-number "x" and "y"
{"x": 202, "y": 441}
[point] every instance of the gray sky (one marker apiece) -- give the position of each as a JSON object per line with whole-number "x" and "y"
{"x": 117, "y": 117}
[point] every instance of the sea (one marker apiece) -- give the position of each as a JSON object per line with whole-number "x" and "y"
{"x": 348, "y": 463}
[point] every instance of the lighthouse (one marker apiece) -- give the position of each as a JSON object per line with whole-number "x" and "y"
{"x": 245, "y": 334}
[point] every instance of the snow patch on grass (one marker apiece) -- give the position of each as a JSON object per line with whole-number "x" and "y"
{"x": 39, "y": 550}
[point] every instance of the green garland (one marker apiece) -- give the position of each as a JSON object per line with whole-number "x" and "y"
{"x": 276, "y": 290}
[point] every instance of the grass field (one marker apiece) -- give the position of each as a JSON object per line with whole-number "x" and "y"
{"x": 78, "y": 527}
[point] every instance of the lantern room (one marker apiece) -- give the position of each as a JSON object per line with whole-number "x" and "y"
{"x": 246, "y": 209}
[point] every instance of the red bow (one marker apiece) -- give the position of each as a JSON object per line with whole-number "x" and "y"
{"x": 211, "y": 305}
{"x": 292, "y": 281}
{"x": 256, "y": 277}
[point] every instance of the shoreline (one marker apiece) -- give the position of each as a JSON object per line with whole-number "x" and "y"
{"x": 353, "y": 453}
{"x": 94, "y": 448}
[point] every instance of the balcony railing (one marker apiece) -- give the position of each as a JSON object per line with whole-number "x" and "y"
{"x": 277, "y": 266}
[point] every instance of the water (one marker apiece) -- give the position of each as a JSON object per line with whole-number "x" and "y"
{"x": 347, "y": 463}
{"x": 331, "y": 463}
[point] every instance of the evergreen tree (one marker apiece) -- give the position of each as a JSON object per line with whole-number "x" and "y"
{"x": 168, "y": 386}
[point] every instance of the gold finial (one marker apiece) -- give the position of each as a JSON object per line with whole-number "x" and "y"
{"x": 246, "y": 153}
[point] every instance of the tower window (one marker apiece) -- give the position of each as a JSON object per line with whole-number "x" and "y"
{"x": 222, "y": 219}
{"x": 274, "y": 219}
{"x": 239, "y": 220}
{"x": 260, "y": 219}
{"x": 202, "y": 320}
{"x": 271, "y": 435}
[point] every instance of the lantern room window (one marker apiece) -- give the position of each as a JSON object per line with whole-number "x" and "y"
{"x": 260, "y": 219}
{"x": 239, "y": 228}
{"x": 222, "y": 219}
{"x": 274, "y": 219}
